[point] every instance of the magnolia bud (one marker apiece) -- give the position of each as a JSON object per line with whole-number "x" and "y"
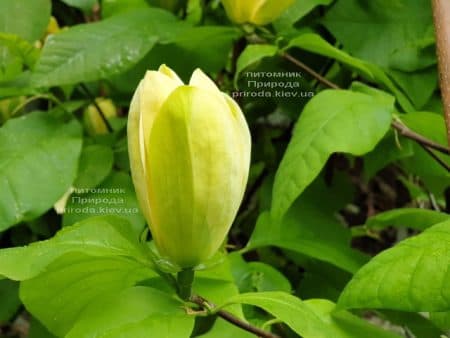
{"x": 189, "y": 149}
{"x": 257, "y": 12}
{"x": 93, "y": 121}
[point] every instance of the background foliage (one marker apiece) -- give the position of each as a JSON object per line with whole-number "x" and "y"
{"x": 343, "y": 231}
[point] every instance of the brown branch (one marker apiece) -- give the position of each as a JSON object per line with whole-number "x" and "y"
{"x": 405, "y": 131}
{"x": 441, "y": 15}
{"x": 310, "y": 71}
{"x": 229, "y": 317}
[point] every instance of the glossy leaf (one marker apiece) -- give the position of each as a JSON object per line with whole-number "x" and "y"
{"x": 35, "y": 149}
{"x": 411, "y": 276}
{"x": 327, "y": 125}
{"x": 73, "y": 56}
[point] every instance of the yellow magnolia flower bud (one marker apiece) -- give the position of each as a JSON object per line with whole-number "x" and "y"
{"x": 92, "y": 119}
{"x": 189, "y": 149}
{"x": 257, "y": 12}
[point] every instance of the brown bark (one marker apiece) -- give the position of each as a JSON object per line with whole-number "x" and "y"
{"x": 441, "y": 14}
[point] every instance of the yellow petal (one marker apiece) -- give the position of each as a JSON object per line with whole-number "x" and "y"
{"x": 134, "y": 151}
{"x": 196, "y": 177}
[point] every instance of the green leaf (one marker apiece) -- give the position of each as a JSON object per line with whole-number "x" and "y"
{"x": 333, "y": 121}
{"x": 135, "y": 312}
{"x": 297, "y": 11}
{"x": 25, "y": 18}
{"x": 38, "y": 163}
{"x": 74, "y": 55}
{"x": 412, "y": 276}
{"x": 59, "y": 296}
{"x": 251, "y": 55}
{"x": 441, "y": 319}
{"x": 10, "y": 304}
{"x": 347, "y": 324}
{"x": 314, "y": 43}
{"x": 311, "y": 319}
{"x": 115, "y": 196}
{"x": 415, "y": 218}
{"x": 95, "y": 164}
{"x": 363, "y": 28}
{"x": 105, "y": 236}
{"x": 114, "y": 7}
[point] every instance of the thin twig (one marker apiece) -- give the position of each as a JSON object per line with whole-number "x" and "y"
{"x": 437, "y": 158}
{"x": 94, "y": 102}
{"x": 229, "y": 317}
{"x": 441, "y": 15}
{"x": 310, "y": 71}
{"x": 405, "y": 131}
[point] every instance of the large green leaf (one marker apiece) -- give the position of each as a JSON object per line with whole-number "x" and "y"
{"x": 414, "y": 218}
{"x": 382, "y": 30}
{"x": 58, "y": 296}
{"x": 105, "y": 236}
{"x": 134, "y": 312}
{"x": 412, "y": 276}
{"x": 312, "y": 319}
{"x": 314, "y": 43}
{"x": 25, "y": 18}
{"x": 38, "y": 163}
{"x": 90, "y": 52}
{"x": 85, "y": 5}
{"x": 333, "y": 121}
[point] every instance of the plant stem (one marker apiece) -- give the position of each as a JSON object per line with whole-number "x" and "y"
{"x": 310, "y": 71}
{"x": 229, "y": 317}
{"x": 405, "y": 131}
{"x": 94, "y": 102}
{"x": 441, "y": 15}
{"x": 185, "y": 278}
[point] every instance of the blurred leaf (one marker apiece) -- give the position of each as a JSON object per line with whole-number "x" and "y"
{"x": 115, "y": 196}
{"x": 134, "y": 312}
{"x": 311, "y": 228}
{"x": 297, "y": 11}
{"x": 419, "y": 219}
{"x": 412, "y": 276}
{"x": 257, "y": 276}
{"x": 327, "y": 125}
{"x": 441, "y": 319}
{"x": 10, "y": 304}
{"x": 26, "y": 18}
{"x": 38, "y": 163}
{"x": 95, "y": 164}
{"x": 37, "y": 330}
{"x": 363, "y": 28}
{"x": 253, "y": 54}
{"x": 114, "y": 7}
{"x": 74, "y": 55}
